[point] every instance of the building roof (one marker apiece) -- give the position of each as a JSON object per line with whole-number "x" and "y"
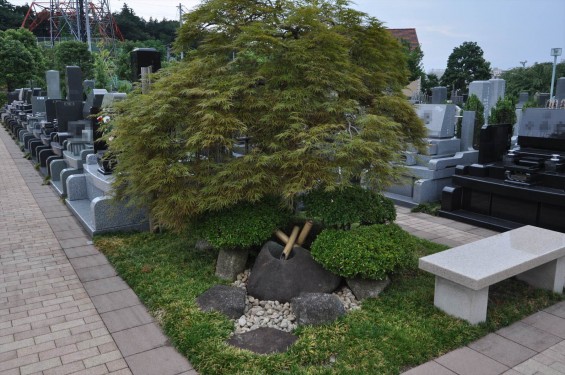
{"x": 407, "y": 34}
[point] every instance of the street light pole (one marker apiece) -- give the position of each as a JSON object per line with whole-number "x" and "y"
{"x": 554, "y": 52}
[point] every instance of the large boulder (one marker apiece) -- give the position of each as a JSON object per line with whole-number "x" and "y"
{"x": 366, "y": 288}
{"x": 263, "y": 340}
{"x": 230, "y": 263}
{"x": 317, "y": 308}
{"x": 281, "y": 280}
{"x": 228, "y": 300}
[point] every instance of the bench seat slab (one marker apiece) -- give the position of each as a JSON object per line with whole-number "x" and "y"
{"x": 460, "y": 301}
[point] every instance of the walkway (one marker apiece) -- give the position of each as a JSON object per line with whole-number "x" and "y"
{"x": 63, "y": 310}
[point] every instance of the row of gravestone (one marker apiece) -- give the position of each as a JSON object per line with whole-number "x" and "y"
{"x": 62, "y": 137}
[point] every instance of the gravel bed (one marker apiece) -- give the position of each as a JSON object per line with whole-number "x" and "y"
{"x": 275, "y": 314}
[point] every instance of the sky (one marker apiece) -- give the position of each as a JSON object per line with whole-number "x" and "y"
{"x": 508, "y": 31}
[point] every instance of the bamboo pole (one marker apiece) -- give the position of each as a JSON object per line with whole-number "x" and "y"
{"x": 304, "y": 233}
{"x": 281, "y": 236}
{"x": 291, "y": 241}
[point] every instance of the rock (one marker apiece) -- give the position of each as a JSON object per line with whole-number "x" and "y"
{"x": 228, "y": 300}
{"x": 242, "y": 321}
{"x": 230, "y": 263}
{"x": 282, "y": 280}
{"x": 203, "y": 245}
{"x": 263, "y": 341}
{"x": 366, "y": 288}
{"x": 317, "y": 308}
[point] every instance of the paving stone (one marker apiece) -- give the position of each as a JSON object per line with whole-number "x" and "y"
{"x": 96, "y": 272}
{"x": 529, "y": 336}
{"x": 115, "y": 300}
{"x": 429, "y": 368}
{"x": 104, "y": 286}
{"x": 547, "y": 322}
{"x": 465, "y": 361}
{"x": 81, "y": 251}
{"x": 125, "y": 318}
{"x": 162, "y": 361}
{"x": 502, "y": 350}
{"x": 88, "y": 261}
{"x": 139, "y": 339}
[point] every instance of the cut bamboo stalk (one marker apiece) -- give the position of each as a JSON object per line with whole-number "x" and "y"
{"x": 281, "y": 236}
{"x": 304, "y": 233}
{"x": 291, "y": 241}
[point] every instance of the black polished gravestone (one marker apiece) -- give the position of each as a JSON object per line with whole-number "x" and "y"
{"x": 73, "y": 80}
{"x": 524, "y": 186}
{"x": 144, "y": 57}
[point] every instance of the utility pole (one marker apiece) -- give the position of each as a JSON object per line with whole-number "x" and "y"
{"x": 180, "y": 25}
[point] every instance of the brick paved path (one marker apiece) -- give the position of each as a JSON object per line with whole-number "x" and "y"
{"x": 63, "y": 310}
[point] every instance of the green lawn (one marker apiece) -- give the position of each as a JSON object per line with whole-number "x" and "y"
{"x": 388, "y": 335}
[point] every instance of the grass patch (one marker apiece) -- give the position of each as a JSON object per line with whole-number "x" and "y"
{"x": 430, "y": 208}
{"x": 399, "y": 330}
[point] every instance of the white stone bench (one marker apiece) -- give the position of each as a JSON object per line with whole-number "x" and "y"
{"x": 464, "y": 273}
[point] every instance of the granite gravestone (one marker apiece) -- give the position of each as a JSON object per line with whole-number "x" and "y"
{"x": 53, "y": 84}
{"x": 439, "y": 95}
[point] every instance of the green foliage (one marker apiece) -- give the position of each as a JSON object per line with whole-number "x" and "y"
{"x": 414, "y": 60}
{"x": 465, "y": 65}
{"x": 74, "y": 53}
{"x": 473, "y": 103}
{"x": 370, "y": 252}
{"x": 504, "y": 112}
{"x": 342, "y": 207}
{"x": 429, "y": 81}
{"x": 535, "y": 78}
{"x": 104, "y": 69}
{"x": 20, "y": 58}
{"x": 11, "y": 16}
{"x": 430, "y": 208}
{"x": 304, "y": 82}
{"x": 243, "y": 225}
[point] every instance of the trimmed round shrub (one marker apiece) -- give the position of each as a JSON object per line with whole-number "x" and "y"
{"x": 353, "y": 204}
{"x": 370, "y": 252}
{"x": 243, "y": 225}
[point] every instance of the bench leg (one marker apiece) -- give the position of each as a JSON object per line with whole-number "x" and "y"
{"x": 460, "y": 301}
{"x": 549, "y": 276}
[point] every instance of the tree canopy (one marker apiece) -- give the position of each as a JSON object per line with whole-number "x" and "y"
{"x": 20, "y": 58}
{"x": 73, "y": 52}
{"x": 465, "y": 65}
{"x": 535, "y": 78}
{"x": 274, "y": 98}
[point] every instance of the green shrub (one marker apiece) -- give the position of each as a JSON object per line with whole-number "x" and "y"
{"x": 341, "y": 208}
{"x": 243, "y": 225}
{"x": 370, "y": 252}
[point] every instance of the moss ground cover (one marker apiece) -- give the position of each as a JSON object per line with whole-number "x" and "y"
{"x": 390, "y": 334}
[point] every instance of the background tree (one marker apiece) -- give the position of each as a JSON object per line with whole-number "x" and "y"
{"x": 504, "y": 112}
{"x": 473, "y": 103}
{"x": 413, "y": 60}
{"x": 535, "y": 78}
{"x": 73, "y": 52}
{"x": 465, "y": 64}
{"x": 11, "y": 16}
{"x": 306, "y": 85}
{"x": 429, "y": 81}
{"x": 21, "y": 59}
{"x": 131, "y": 25}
